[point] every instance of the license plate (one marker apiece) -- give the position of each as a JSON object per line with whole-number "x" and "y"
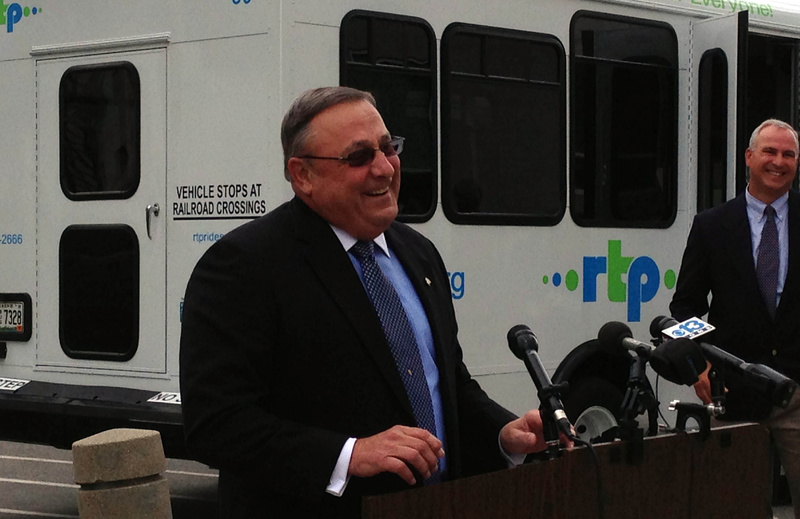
{"x": 11, "y": 313}
{"x": 11, "y": 384}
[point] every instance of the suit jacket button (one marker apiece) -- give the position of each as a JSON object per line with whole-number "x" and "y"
{"x": 774, "y": 353}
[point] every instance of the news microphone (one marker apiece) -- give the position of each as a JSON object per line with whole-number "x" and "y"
{"x": 661, "y": 323}
{"x": 680, "y": 361}
{"x": 525, "y": 346}
{"x": 615, "y": 334}
{"x": 776, "y": 387}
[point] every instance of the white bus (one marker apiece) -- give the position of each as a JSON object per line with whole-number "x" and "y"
{"x": 556, "y": 151}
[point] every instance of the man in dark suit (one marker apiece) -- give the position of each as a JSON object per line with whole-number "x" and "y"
{"x": 288, "y": 381}
{"x": 751, "y": 268}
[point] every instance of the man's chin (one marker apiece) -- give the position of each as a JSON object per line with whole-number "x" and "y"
{"x": 384, "y": 220}
{"x": 384, "y": 209}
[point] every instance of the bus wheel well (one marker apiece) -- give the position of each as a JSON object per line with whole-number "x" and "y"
{"x": 589, "y": 361}
{"x": 596, "y": 378}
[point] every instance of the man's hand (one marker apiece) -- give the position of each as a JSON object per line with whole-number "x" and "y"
{"x": 526, "y": 434}
{"x": 395, "y": 450}
{"x": 703, "y": 386}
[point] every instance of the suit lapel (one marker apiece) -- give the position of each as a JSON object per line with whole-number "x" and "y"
{"x": 427, "y": 278}
{"x": 423, "y": 276}
{"x": 789, "y": 285}
{"x": 735, "y": 232}
{"x": 335, "y": 272}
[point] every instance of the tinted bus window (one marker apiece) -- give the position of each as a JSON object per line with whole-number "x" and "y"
{"x": 393, "y": 57}
{"x": 99, "y": 292}
{"x": 771, "y": 88}
{"x": 99, "y": 118}
{"x": 712, "y": 140}
{"x": 503, "y": 126}
{"x": 623, "y": 115}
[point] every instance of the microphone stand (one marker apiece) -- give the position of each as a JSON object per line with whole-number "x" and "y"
{"x": 638, "y": 399}
{"x": 549, "y": 425}
{"x": 702, "y": 413}
{"x": 717, "y": 379}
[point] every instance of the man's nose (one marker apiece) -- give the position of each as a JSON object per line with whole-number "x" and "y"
{"x": 782, "y": 162}
{"x": 381, "y": 165}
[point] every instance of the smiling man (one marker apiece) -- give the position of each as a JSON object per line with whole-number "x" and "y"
{"x": 319, "y": 354}
{"x": 746, "y": 254}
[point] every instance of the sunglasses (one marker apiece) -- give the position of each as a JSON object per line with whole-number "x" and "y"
{"x": 365, "y": 156}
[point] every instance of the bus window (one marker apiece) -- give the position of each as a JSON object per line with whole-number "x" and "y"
{"x": 771, "y": 85}
{"x": 99, "y": 118}
{"x": 99, "y": 292}
{"x": 393, "y": 57}
{"x": 503, "y": 126}
{"x": 623, "y": 121}
{"x": 712, "y": 134}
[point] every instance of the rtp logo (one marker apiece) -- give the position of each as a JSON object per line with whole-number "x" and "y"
{"x": 12, "y": 14}
{"x": 643, "y": 279}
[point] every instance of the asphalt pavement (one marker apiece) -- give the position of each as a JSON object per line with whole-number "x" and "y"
{"x": 37, "y": 482}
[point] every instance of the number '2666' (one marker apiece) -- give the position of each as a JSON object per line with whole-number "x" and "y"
{"x": 10, "y": 239}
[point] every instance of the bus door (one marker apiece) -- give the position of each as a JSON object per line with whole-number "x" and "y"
{"x": 718, "y": 75}
{"x": 101, "y": 168}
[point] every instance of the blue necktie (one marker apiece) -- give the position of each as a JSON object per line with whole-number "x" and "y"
{"x": 768, "y": 258}
{"x": 399, "y": 334}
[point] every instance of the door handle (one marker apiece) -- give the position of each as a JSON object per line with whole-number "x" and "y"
{"x": 151, "y": 211}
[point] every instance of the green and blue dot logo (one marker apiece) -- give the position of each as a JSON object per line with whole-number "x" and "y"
{"x": 12, "y": 14}
{"x": 643, "y": 279}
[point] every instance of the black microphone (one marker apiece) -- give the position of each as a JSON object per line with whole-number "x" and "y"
{"x": 680, "y": 361}
{"x": 661, "y": 323}
{"x": 524, "y": 346}
{"x": 615, "y": 334}
{"x": 776, "y": 387}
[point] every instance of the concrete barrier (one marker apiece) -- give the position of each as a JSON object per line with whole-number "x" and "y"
{"x": 120, "y": 474}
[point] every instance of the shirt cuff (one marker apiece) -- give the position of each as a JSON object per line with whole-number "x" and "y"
{"x": 340, "y": 478}
{"x": 512, "y": 459}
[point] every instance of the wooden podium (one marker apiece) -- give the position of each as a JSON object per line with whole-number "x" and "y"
{"x": 677, "y": 476}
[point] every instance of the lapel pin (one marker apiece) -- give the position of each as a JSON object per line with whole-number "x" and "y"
{"x": 428, "y": 281}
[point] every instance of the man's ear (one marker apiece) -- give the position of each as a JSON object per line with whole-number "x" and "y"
{"x": 300, "y": 174}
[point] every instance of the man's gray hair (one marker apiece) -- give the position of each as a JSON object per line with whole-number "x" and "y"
{"x": 777, "y": 123}
{"x": 295, "y": 125}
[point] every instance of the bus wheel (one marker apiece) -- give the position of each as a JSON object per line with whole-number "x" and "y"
{"x": 596, "y": 424}
{"x": 598, "y": 378}
{"x": 592, "y": 405}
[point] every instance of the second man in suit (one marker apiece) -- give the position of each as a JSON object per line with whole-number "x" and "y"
{"x": 746, "y": 255}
